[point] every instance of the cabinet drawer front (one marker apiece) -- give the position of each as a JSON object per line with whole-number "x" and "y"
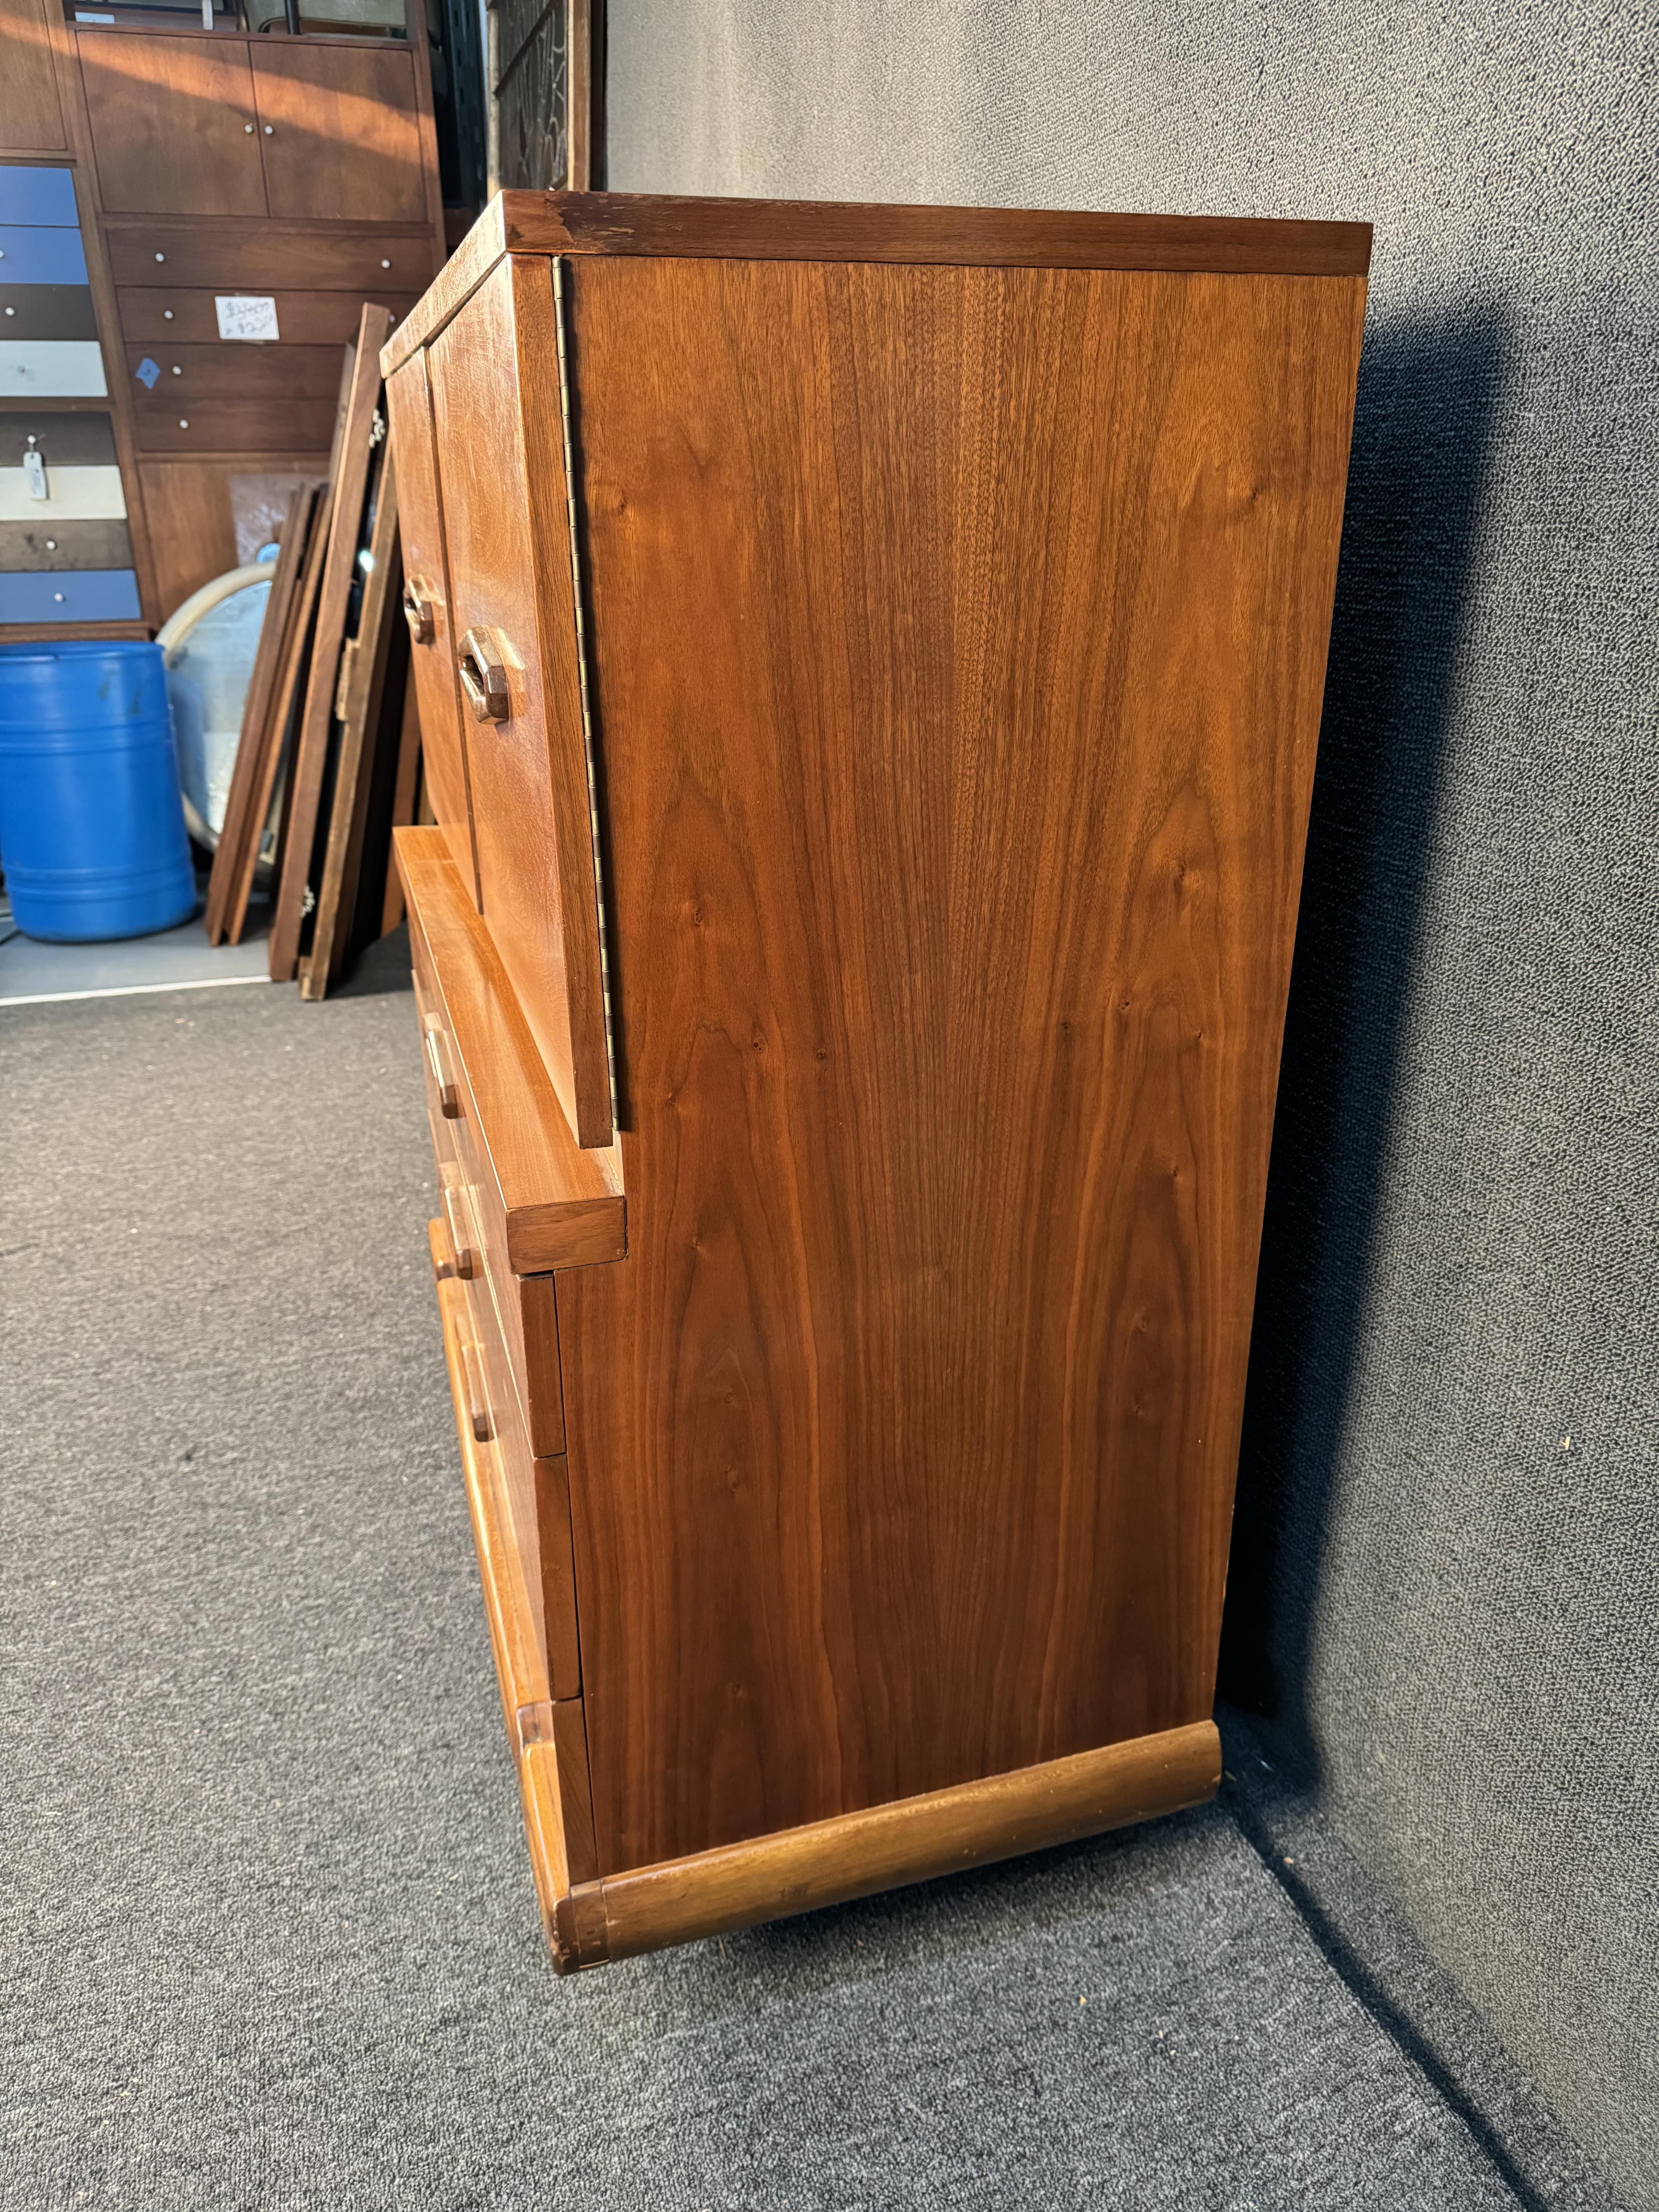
{"x": 425, "y": 600}
{"x": 236, "y": 426}
{"x": 38, "y": 196}
{"x": 533, "y": 1491}
{"x": 31, "y": 254}
{"x": 179, "y": 316}
{"x": 88, "y": 596}
{"x": 562, "y": 1207}
{"x": 64, "y": 546}
{"x": 46, "y": 310}
{"x": 191, "y": 373}
{"x": 526, "y": 1324}
{"x": 496, "y": 383}
{"x": 51, "y": 369}
{"x": 268, "y": 257}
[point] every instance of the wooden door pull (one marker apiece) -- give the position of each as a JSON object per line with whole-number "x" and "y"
{"x": 484, "y": 677}
{"x": 418, "y": 613}
{"x": 477, "y": 1401}
{"x": 437, "y": 1052}
{"x": 460, "y": 1239}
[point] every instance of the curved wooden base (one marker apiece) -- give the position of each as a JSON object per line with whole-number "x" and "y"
{"x": 591, "y": 1918}
{"x": 911, "y": 1840}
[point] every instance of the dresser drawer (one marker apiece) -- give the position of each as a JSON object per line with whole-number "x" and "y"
{"x": 560, "y": 1207}
{"x": 235, "y": 426}
{"x": 171, "y": 378}
{"x": 246, "y": 257}
{"x": 521, "y": 1200}
{"x": 153, "y": 313}
{"x": 525, "y": 1323}
{"x": 533, "y": 1488}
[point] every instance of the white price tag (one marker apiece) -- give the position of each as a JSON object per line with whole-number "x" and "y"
{"x": 34, "y": 474}
{"x": 247, "y": 317}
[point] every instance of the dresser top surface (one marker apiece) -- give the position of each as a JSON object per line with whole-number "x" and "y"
{"x": 627, "y": 223}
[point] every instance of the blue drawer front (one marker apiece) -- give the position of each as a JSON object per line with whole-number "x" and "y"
{"x": 41, "y": 256}
{"x": 45, "y": 196}
{"x": 88, "y": 595}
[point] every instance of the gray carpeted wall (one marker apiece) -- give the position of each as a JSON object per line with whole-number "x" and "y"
{"x": 1449, "y": 1608}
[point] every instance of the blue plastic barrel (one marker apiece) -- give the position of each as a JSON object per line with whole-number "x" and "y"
{"x": 91, "y": 826}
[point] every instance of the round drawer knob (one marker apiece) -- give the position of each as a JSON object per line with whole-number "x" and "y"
{"x": 386, "y": 264}
{"x": 271, "y": 131}
{"x": 166, "y": 314}
{"x": 58, "y": 597}
{"x": 161, "y": 257}
{"x": 177, "y": 370}
{"x": 248, "y": 127}
{"x": 52, "y": 545}
{"x": 184, "y": 422}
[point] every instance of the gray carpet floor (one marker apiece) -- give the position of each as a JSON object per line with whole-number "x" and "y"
{"x": 267, "y": 1933}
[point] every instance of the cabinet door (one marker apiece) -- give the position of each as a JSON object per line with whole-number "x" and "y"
{"x": 426, "y": 601}
{"x": 338, "y": 133}
{"x": 31, "y": 121}
{"x": 173, "y": 125}
{"x": 494, "y": 375}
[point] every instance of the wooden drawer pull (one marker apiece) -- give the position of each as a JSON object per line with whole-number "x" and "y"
{"x": 437, "y": 1052}
{"x": 456, "y": 1211}
{"x": 478, "y": 1399}
{"x": 418, "y": 613}
{"x": 484, "y": 677}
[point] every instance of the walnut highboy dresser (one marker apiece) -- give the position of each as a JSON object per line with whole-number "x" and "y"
{"x": 870, "y": 664}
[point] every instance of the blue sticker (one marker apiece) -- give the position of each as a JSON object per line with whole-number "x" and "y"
{"x": 148, "y": 373}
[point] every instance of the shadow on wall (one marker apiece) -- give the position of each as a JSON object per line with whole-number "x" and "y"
{"x": 1427, "y": 396}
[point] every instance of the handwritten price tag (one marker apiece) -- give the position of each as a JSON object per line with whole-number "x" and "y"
{"x": 248, "y": 318}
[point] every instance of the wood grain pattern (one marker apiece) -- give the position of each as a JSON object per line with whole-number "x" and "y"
{"x": 311, "y": 749}
{"x": 956, "y": 794}
{"x": 30, "y": 118}
{"x": 338, "y": 129}
{"x": 803, "y": 1869}
{"x": 405, "y": 800}
{"x": 426, "y": 567}
{"x": 241, "y": 827}
{"x": 547, "y": 1734}
{"x": 242, "y": 428}
{"x": 524, "y": 1350}
{"x": 221, "y": 371}
{"x": 561, "y": 1207}
{"x": 179, "y": 315}
{"x": 240, "y": 257}
{"x": 359, "y": 694}
{"x": 173, "y": 126}
{"x": 187, "y": 508}
{"x": 501, "y": 481}
{"x": 288, "y": 692}
{"x": 629, "y": 223}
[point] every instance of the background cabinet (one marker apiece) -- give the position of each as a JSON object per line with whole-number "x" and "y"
{"x": 216, "y": 126}
{"x": 30, "y": 118}
{"x": 339, "y": 132}
{"x": 300, "y": 170}
{"x": 173, "y": 129}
